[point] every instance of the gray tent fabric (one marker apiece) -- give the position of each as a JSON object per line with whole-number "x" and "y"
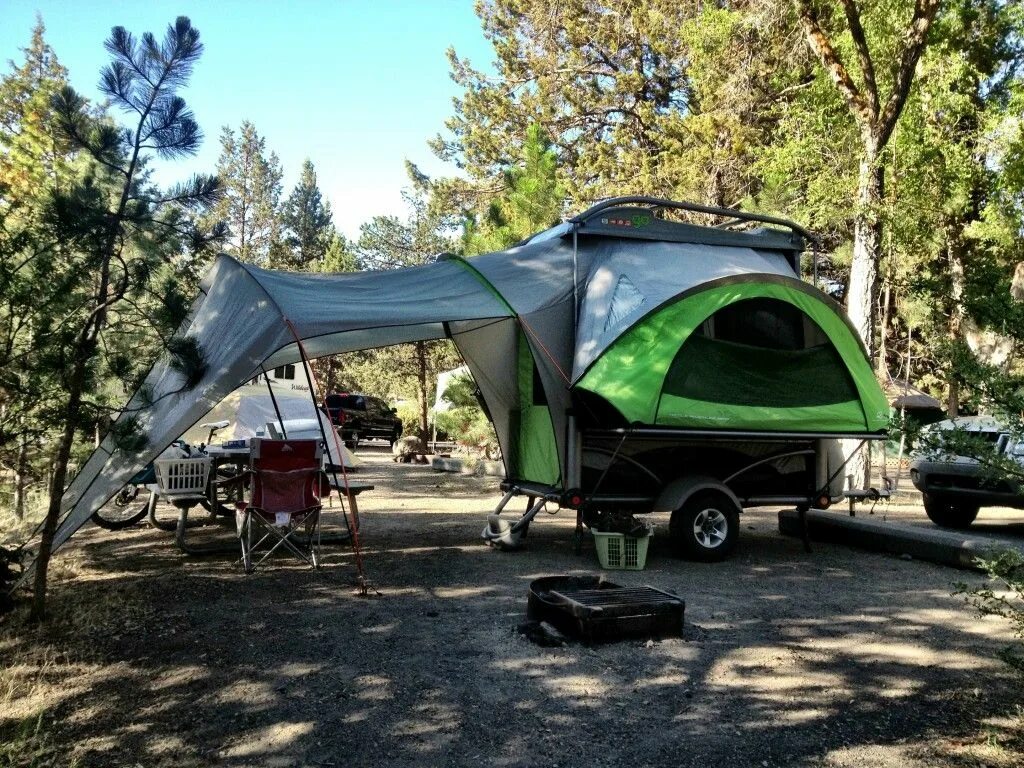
{"x": 654, "y": 272}
{"x": 239, "y": 323}
{"x": 486, "y": 305}
{"x": 536, "y": 280}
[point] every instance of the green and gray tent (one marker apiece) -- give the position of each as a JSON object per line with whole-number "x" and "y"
{"x": 613, "y": 318}
{"x": 677, "y": 326}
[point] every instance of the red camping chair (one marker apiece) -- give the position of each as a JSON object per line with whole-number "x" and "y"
{"x": 285, "y": 488}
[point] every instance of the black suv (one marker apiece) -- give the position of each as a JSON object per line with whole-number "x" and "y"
{"x": 359, "y": 417}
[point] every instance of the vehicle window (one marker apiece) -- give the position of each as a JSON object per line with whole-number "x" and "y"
{"x": 354, "y": 402}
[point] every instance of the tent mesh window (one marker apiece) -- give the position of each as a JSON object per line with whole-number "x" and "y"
{"x": 760, "y": 352}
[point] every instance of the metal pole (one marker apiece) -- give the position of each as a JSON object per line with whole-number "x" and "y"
{"x": 277, "y": 410}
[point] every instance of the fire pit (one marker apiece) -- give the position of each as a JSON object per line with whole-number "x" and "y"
{"x": 596, "y": 611}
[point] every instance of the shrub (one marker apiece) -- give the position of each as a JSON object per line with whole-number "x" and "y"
{"x": 1003, "y": 596}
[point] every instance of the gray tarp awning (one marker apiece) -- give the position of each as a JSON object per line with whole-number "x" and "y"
{"x": 239, "y": 323}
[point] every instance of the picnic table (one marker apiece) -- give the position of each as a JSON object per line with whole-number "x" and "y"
{"x": 221, "y": 493}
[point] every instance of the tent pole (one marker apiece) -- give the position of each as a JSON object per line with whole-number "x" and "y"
{"x": 270, "y": 389}
{"x": 353, "y": 527}
{"x": 575, "y": 283}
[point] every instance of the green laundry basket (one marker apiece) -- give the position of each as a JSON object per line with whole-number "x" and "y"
{"x": 619, "y": 552}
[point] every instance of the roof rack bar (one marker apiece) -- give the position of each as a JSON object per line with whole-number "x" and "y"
{"x": 738, "y": 216}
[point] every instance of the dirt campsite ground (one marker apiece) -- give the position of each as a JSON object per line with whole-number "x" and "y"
{"x": 835, "y": 658}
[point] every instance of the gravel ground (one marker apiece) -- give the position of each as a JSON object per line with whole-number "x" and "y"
{"x": 837, "y": 658}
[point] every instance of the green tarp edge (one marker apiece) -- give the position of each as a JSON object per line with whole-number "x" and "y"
{"x": 631, "y": 372}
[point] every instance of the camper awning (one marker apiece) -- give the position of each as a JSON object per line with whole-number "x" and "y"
{"x": 243, "y": 323}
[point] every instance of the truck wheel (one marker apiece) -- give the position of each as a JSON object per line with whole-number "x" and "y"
{"x": 949, "y": 514}
{"x": 353, "y": 441}
{"x": 705, "y": 528}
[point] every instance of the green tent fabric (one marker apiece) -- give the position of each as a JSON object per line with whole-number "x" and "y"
{"x": 661, "y": 373}
{"x": 535, "y": 455}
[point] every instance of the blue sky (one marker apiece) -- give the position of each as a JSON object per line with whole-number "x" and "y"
{"x": 356, "y": 86}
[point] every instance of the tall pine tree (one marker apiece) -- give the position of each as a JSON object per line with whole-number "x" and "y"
{"x": 308, "y": 224}
{"x": 250, "y": 205}
{"x": 103, "y": 263}
{"x": 34, "y": 156}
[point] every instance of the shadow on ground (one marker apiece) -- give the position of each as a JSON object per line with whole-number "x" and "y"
{"x": 833, "y": 658}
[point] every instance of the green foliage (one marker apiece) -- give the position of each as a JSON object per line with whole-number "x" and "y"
{"x": 307, "y": 222}
{"x": 1003, "y": 596}
{"x": 250, "y": 203}
{"x": 33, "y": 155}
{"x": 531, "y": 201}
{"x": 27, "y": 744}
{"x": 409, "y": 413}
{"x": 464, "y": 421}
{"x": 339, "y": 257}
{"x": 187, "y": 359}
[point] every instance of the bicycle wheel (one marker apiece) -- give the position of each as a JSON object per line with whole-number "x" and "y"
{"x": 121, "y": 513}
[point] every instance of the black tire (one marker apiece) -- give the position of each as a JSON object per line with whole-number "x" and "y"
{"x": 949, "y": 514}
{"x": 221, "y": 510}
{"x": 118, "y": 516}
{"x": 706, "y": 527}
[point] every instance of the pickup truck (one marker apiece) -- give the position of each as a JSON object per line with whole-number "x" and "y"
{"x": 361, "y": 417}
{"x": 953, "y": 488}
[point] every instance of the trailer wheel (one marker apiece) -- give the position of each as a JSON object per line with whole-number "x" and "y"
{"x": 705, "y": 528}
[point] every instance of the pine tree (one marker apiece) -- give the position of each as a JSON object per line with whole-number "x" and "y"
{"x": 103, "y": 263}
{"x": 33, "y": 155}
{"x": 339, "y": 256}
{"x": 307, "y": 221}
{"x": 532, "y": 200}
{"x": 250, "y": 204}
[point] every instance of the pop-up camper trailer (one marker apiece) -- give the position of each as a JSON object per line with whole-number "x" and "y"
{"x": 680, "y": 368}
{"x": 627, "y": 361}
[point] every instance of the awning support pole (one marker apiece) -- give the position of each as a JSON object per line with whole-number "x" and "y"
{"x": 277, "y": 410}
{"x": 353, "y": 527}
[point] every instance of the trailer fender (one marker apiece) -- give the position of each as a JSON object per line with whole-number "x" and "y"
{"x": 675, "y": 494}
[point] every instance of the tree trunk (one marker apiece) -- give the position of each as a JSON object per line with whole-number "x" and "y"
{"x": 957, "y": 281}
{"x": 21, "y": 477}
{"x": 867, "y": 240}
{"x": 863, "y": 286}
{"x": 881, "y": 363}
{"x": 60, "y": 472}
{"x": 421, "y": 359}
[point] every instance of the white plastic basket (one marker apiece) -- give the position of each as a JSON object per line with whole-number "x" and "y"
{"x": 183, "y": 478}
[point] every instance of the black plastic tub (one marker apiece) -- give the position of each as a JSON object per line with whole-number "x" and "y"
{"x": 599, "y": 611}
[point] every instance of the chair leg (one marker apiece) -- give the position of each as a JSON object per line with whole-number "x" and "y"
{"x": 247, "y": 543}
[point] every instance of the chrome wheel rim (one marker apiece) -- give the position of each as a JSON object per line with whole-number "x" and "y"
{"x": 710, "y": 528}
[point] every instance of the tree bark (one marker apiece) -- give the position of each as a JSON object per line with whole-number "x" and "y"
{"x": 57, "y": 483}
{"x": 421, "y": 359}
{"x": 21, "y": 477}
{"x": 867, "y": 240}
{"x": 886, "y": 308}
{"x": 954, "y": 329}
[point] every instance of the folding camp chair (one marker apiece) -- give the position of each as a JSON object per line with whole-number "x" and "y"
{"x": 285, "y": 487}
